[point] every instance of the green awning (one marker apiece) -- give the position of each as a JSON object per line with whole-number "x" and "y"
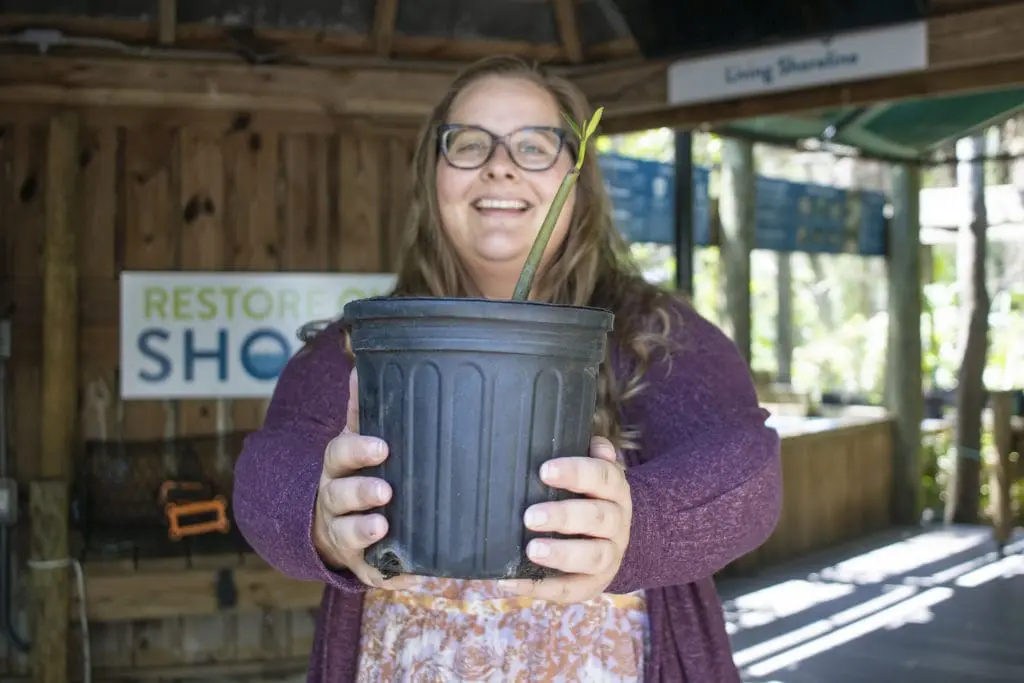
{"x": 906, "y": 130}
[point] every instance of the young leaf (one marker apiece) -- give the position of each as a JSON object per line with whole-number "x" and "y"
{"x": 572, "y": 124}
{"x": 595, "y": 119}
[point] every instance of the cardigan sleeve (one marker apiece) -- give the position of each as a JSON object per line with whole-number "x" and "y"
{"x": 278, "y": 471}
{"x": 708, "y": 488}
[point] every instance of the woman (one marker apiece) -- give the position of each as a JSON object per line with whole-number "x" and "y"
{"x": 684, "y": 475}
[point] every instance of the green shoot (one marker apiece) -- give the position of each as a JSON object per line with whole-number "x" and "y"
{"x": 529, "y": 272}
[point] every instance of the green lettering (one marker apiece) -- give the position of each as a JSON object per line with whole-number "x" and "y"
{"x": 251, "y": 310}
{"x": 207, "y": 304}
{"x": 155, "y": 303}
{"x": 182, "y": 299}
{"x": 230, "y": 293}
{"x": 289, "y": 303}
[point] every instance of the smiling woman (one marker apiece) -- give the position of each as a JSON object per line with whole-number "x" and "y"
{"x": 501, "y": 165}
{"x": 682, "y": 476}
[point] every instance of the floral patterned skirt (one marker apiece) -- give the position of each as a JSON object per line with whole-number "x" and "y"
{"x": 452, "y": 631}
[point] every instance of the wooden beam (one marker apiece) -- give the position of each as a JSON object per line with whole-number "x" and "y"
{"x": 904, "y": 392}
{"x": 118, "y": 594}
{"x": 59, "y": 409}
{"x": 48, "y": 509}
{"x": 167, "y": 22}
{"x": 973, "y": 50}
{"x": 736, "y": 199}
{"x": 223, "y": 86}
{"x": 568, "y": 29}
{"x": 1001, "y": 473}
{"x": 384, "y": 16}
{"x": 969, "y": 51}
{"x": 628, "y": 116}
{"x": 59, "y": 401}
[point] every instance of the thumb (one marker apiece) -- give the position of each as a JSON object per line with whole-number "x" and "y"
{"x": 352, "y": 420}
{"x": 602, "y": 448}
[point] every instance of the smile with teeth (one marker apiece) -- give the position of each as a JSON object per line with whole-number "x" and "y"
{"x": 501, "y": 204}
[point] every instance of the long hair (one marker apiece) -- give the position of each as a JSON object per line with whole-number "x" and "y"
{"x": 593, "y": 267}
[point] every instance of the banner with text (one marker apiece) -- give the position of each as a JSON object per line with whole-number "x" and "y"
{"x": 854, "y": 56}
{"x": 223, "y": 335}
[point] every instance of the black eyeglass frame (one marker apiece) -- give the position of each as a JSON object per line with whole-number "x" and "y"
{"x": 560, "y": 133}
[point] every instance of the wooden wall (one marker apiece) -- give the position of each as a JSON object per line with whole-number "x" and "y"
{"x": 167, "y": 190}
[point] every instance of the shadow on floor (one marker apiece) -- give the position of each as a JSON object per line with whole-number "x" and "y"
{"x": 934, "y": 605}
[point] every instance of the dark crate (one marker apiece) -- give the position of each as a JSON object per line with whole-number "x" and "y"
{"x": 115, "y": 501}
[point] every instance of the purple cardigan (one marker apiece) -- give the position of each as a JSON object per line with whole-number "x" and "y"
{"x": 706, "y": 490}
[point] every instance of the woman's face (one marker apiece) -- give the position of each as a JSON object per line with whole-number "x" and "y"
{"x": 492, "y": 213}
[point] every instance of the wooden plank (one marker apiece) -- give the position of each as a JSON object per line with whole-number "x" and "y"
{"x": 60, "y": 299}
{"x": 204, "y": 638}
{"x": 568, "y": 29}
{"x": 167, "y": 21}
{"x": 59, "y": 410}
{"x": 635, "y": 96}
{"x": 905, "y": 398}
{"x": 150, "y": 233}
{"x": 440, "y": 52}
{"x": 396, "y": 184}
{"x": 1001, "y": 472}
{"x": 305, "y": 228}
{"x": 359, "y": 210}
{"x": 736, "y": 208}
{"x": 22, "y": 217}
{"x": 232, "y": 86}
{"x": 157, "y": 593}
{"x": 384, "y": 14}
{"x": 49, "y": 504}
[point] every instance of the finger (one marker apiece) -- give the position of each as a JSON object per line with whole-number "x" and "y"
{"x": 603, "y": 449}
{"x": 347, "y": 453}
{"x": 588, "y": 476}
{"x": 352, "y": 420}
{"x": 357, "y": 532}
{"x": 598, "y": 518}
{"x": 588, "y": 556}
{"x": 354, "y": 494}
{"x": 565, "y": 589}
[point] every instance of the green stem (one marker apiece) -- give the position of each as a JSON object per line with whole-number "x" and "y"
{"x": 525, "y": 283}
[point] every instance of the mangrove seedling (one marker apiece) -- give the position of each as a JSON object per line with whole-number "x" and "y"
{"x": 583, "y": 132}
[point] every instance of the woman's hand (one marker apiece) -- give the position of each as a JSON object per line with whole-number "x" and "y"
{"x": 591, "y": 563}
{"x": 340, "y": 535}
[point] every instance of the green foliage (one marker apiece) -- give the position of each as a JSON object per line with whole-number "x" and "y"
{"x": 840, "y": 303}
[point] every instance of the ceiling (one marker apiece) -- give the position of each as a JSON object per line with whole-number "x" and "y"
{"x": 562, "y": 32}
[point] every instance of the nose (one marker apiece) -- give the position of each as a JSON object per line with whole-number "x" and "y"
{"x": 500, "y": 165}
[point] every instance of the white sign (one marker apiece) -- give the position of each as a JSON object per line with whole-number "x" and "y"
{"x": 223, "y": 335}
{"x": 842, "y": 58}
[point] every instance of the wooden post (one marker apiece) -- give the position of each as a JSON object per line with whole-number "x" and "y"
{"x": 48, "y": 506}
{"x": 905, "y": 390}
{"x": 964, "y": 497}
{"x": 684, "y": 212}
{"x": 1001, "y": 473}
{"x": 736, "y": 211}
{"x": 784, "y": 319}
{"x": 59, "y": 410}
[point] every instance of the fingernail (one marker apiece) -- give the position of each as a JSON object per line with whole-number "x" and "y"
{"x": 535, "y": 517}
{"x": 538, "y": 549}
{"x": 380, "y": 491}
{"x": 375, "y": 528}
{"x": 548, "y": 470}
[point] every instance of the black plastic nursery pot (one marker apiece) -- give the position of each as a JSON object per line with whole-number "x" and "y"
{"x": 472, "y": 396}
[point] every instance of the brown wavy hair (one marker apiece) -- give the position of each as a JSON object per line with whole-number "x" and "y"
{"x": 593, "y": 267}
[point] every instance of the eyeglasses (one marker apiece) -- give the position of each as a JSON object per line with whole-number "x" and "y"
{"x": 534, "y": 148}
